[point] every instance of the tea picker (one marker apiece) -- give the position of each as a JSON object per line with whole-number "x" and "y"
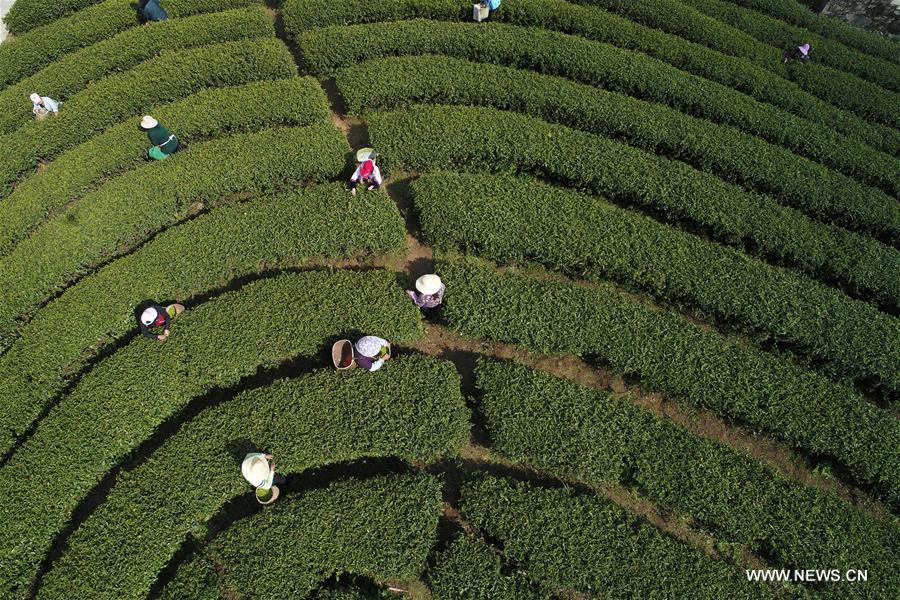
{"x": 259, "y": 470}
{"x": 429, "y": 292}
{"x": 164, "y": 141}
{"x": 43, "y": 106}
{"x": 155, "y": 318}
{"x": 367, "y": 172}
{"x": 483, "y": 11}
{"x": 371, "y": 351}
{"x": 152, "y": 11}
{"x": 800, "y": 53}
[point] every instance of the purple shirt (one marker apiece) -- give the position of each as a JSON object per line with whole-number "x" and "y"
{"x": 427, "y": 300}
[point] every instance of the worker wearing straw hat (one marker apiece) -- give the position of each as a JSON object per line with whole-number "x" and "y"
{"x": 42, "y": 105}
{"x": 367, "y": 172}
{"x": 800, "y": 53}
{"x": 164, "y": 141}
{"x": 259, "y": 470}
{"x": 429, "y": 292}
{"x": 371, "y": 352}
{"x": 156, "y": 318}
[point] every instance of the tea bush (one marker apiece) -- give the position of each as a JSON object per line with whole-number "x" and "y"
{"x": 583, "y": 236}
{"x": 567, "y": 429}
{"x": 181, "y": 263}
{"x": 204, "y": 115}
{"x": 25, "y": 55}
{"x": 28, "y": 14}
{"x": 603, "y": 66}
{"x": 666, "y": 353}
{"x": 433, "y": 137}
{"x": 381, "y": 527}
{"x": 781, "y": 35}
{"x": 467, "y": 568}
{"x": 726, "y": 152}
{"x": 835, "y": 87}
{"x": 793, "y": 12}
{"x": 169, "y": 77}
{"x": 131, "y": 208}
{"x": 588, "y": 544}
{"x": 126, "y": 397}
{"x": 411, "y": 409}
{"x": 70, "y": 75}
{"x": 598, "y": 25}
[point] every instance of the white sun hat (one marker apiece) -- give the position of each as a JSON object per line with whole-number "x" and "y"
{"x": 370, "y": 346}
{"x": 149, "y": 316}
{"x": 149, "y": 122}
{"x": 35, "y": 97}
{"x": 429, "y": 284}
{"x": 255, "y": 469}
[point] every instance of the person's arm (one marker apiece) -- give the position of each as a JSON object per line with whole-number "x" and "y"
{"x": 51, "y": 105}
{"x": 355, "y": 177}
{"x": 376, "y": 174}
{"x": 416, "y": 298}
{"x": 146, "y": 331}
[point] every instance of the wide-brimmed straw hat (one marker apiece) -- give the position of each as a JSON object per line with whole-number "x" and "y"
{"x": 149, "y": 122}
{"x": 35, "y": 97}
{"x": 148, "y": 317}
{"x": 429, "y": 284}
{"x": 256, "y": 470}
{"x": 369, "y": 346}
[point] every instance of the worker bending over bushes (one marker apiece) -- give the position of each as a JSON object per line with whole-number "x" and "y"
{"x": 259, "y": 470}
{"x": 164, "y": 141}
{"x": 151, "y": 10}
{"x": 429, "y": 292}
{"x": 371, "y": 352}
{"x": 43, "y": 105}
{"x": 367, "y": 172}
{"x": 155, "y": 318}
{"x": 800, "y": 53}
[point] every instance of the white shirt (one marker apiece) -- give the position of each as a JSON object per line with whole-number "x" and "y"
{"x": 376, "y": 173}
{"x": 49, "y": 103}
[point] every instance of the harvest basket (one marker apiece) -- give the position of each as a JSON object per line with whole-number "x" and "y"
{"x": 269, "y": 498}
{"x": 342, "y": 355}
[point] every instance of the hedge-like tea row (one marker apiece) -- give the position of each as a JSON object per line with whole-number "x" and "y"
{"x": 72, "y": 74}
{"x": 604, "y": 66}
{"x": 588, "y": 544}
{"x": 565, "y": 428}
{"x": 835, "y": 87}
{"x": 724, "y": 151}
{"x": 598, "y": 25}
{"x": 346, "y": 593}
{"x": 181, "y": 263}
{"x": 381, "y": 527}
{"x": 435, "y": 137}
{"x": 792, "y": 12}
{"x": 127, "y": 396}
{"x": 130, "y": 208}
{"x": 413, "y": 410}
{"x": 470, "y": 569}
{"x": 204, "y": 115}
{"x": 27, "y": 14}
{"x": 777, "y": 33}
{"x": 508, "y": 219}
{"x": 28, "y": 54}
{"x": 673, "y": 356}
{"x": 169, "y": 77}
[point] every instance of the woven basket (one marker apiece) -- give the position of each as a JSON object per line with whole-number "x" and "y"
{"x": 342, "y": 355}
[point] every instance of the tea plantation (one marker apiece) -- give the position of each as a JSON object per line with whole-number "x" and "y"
{"x": 667, "y": 363}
